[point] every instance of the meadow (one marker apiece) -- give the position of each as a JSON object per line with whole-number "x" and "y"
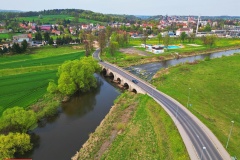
{"x": 24, "y": 78}
{"x": 135, "y": 128}
{"x": 214, "y": 94}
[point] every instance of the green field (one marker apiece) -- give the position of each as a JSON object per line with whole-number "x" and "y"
{"x": 214, "y": 94}
{"x": 135, "y": 128}
{"x": 5, "y": 36}
{"x": 52, "y": 19}
{"x": 24, "y": 78}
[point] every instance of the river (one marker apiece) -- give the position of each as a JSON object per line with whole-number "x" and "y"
{"x": 147, "y": 71}
{"x": 60, "y": 137}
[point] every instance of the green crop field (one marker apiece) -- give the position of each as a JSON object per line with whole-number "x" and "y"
{"x": 52, "y": 19}
{"x": 214, "y": 94}
{"x": 24, "y": 78}
{"x": 23, "y": 89}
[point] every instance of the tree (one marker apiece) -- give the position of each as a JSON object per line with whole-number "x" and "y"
{"x": 24, "y": 45}
{"x": 102, "y": 40}
{"x": 113, "y": 46}
{"x": 50, "y": 42}
{"x": 166, "y": 41}
{"x": 77, "y": 75}
{"x": 90, "y": 38}
{"x": 192, "y": 37}
{"x": 17, "y": 119}
{"x": 16, "y": 48}
{"x": 82, "y": 36}
{"x": 183, "y": 36}
{"x": 144, "y": 38}
{"x": 209, "y": 40}
{"x": 207, "y": 28}
{"x": 14, "y": 143}
{"x": 159, "y": 37}
{"x": 46, "y": 36}
{"x": 38, "y": 36}
{"x": 87, "y": 48}
{"x": 108, "y": 32}
{"x": 52, "y": 87}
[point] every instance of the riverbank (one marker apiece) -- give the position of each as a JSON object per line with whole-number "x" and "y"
{"x": 139, "y": 60}
{"x": 136, "y": 126}
{"x": 213, "y": 97}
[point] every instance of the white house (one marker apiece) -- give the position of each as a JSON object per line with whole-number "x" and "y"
{"x": 186, "y": 30}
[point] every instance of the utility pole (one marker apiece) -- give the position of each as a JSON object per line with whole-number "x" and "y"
{"x": 197, "y": 25}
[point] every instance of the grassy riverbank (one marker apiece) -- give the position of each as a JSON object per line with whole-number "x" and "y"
{"x": 24, "y": 78}
{"x": 135, "y": 128}
{"x": 128, "y": 59}
{"x": 214, "y": 94}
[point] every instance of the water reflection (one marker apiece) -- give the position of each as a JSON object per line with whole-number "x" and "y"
{"x": 60, "y": 137}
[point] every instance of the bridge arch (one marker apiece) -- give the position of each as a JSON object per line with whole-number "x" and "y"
{"x": 119, "y": 80}
{"x": 134, "y": 90}
{"x": 125, "y": 86}
{"x": 111, "y": 76}
{"x": 104, "y": 71}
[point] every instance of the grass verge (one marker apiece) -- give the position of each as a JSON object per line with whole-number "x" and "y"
{"x": 135, "y": 128}
{"x": 214, "y": 94}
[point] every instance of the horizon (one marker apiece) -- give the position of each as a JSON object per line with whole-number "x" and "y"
{"x": 11, "y": 10}
{"x": 134, "y": 7}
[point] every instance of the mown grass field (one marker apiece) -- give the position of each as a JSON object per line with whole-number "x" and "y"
{"x": 136, "y": 128}
{"x": 52, "y": 19}
{"x": 24, "y": 78}
{"x": 214, "y": 94}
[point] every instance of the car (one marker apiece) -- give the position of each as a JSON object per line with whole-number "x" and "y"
{"x": 135, "y": 81}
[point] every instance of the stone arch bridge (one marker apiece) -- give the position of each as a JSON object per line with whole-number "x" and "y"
{"x": 128, "y": 84}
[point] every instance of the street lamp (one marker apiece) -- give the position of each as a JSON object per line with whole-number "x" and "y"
{"x": 188, "y": 96}
{"x": 204, "y": 148}
{"x": 229, "y": 134}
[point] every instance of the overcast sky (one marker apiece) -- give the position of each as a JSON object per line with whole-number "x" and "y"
{"x": 133, "y": 7}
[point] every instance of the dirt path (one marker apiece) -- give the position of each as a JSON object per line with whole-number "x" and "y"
{"x": 133, "y": 50}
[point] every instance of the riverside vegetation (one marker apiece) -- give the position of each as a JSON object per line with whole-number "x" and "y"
{"x": 136, "y": 127}
{"x": 214, "y": 94}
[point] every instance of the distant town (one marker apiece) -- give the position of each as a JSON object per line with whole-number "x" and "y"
{"x": 67, "y": 30}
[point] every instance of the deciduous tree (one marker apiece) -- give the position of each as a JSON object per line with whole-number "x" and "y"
{"x": 183, "y": 36}
{"x": 113, "y": 46}
{"x": 159, "y": 37}
{"x": 166, "y": 41}
{"x": 77, "y": 75}
{"x": 102, "y": 40}
{"x": 17, "y": 119}
{"x": 14, "y": 143}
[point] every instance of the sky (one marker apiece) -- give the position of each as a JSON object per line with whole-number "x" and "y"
{"x": 132, "y": 7}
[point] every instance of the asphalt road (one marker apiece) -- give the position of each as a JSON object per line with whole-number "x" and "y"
{"x": 197, "y": 136}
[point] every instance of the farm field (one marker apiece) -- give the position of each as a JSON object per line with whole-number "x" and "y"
{"x": 52, "y": 19}
{"x": 214, "y": 94}
{"x": 24, "y": 78}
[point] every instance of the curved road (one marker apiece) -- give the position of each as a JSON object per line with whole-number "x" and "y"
{"x": 199, "y": 140}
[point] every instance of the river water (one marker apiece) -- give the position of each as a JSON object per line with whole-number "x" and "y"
{"x": 60, "y": 137}
{"x": 147, "y": 71}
